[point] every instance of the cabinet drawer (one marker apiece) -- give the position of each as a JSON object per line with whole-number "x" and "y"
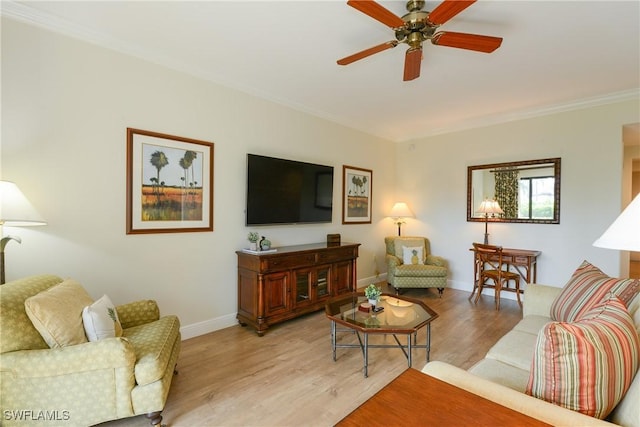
{"x": 520, "y": 260}
{"x": 336, "y": 255}
{"x": 286, "y": 262}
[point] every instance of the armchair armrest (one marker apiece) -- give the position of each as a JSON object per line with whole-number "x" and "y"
{"x": 392, "y": 261}
{"x": 538, "y": 299}
{"x": 435, "y": 260}
{"x": 109, "y": 353}
{"x": 138, "y": 313}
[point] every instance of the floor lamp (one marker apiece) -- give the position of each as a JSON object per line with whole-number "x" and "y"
{"x": 399, "y": 212}
{"x": 15, "y": 211}
{"x": 624, "y": 233}
{"x": 488, "y": 207}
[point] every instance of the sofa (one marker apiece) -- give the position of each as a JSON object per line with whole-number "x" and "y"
{"x": 410, "y": 264}
{"x": 60, "y": 366}
{"x": 504, "y": 374}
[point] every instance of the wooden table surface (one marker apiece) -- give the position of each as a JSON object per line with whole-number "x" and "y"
{"x": 414, "y": 398}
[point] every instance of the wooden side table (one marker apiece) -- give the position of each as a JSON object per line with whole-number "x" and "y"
{"x": 524, "y": 261}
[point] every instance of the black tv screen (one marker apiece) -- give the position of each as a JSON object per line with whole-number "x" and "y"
{"x": 283, "y": 191}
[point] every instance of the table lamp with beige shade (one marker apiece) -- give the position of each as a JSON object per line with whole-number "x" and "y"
{"x": 399, "y": 212}
{"x": 488, "y": 207}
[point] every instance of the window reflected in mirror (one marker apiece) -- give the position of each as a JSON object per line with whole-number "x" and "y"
{"x": 526, "y": 191}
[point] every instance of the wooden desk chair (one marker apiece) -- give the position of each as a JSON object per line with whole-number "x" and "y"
{"x": 491, "y": 266}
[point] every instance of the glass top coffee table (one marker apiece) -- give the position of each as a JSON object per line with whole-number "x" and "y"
{"x": 399, "y": 316}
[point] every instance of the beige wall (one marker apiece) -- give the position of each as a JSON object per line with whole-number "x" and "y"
{"x": 432, "y": 178}
{"x": 65, "y": 109}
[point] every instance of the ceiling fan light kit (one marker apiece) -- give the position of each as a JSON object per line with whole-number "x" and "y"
{"x": 418, "y": 26}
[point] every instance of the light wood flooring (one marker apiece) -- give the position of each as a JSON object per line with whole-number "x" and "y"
{"x": 232, "y": 377}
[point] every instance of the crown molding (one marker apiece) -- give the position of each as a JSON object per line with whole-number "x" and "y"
{"x": 496, "y": 119}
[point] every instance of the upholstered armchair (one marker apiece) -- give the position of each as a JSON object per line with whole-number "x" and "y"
{"x": 410, "y": 264}
{"x": 47, "y": 381}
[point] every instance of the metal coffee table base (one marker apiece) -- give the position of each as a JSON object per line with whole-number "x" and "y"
{"x": 363, "y": 343}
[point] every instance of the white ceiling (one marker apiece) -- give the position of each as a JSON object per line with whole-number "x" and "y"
{"x": 555, "y": 55}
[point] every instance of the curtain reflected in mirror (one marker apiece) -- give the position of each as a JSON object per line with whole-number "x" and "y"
{"x": 527, "y": 191}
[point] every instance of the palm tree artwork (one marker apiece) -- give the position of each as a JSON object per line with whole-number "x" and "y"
{"x": 358, "y": 197}
{"x": 178, "y": 195}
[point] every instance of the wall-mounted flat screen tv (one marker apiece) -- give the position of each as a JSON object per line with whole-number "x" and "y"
{"x": 281, "y": 191}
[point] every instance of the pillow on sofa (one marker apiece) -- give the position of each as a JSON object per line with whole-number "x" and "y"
{"x": 587, "y": 366}
{"x": 587, "y": 286}
{"x": 407, "y": 255}
{"x": 101, "y": 320}
{"x": 57, "y": 313}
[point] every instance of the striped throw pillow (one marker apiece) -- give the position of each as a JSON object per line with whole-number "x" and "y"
{"x": 587, "y": 286}
{"x": 587, "y": 366}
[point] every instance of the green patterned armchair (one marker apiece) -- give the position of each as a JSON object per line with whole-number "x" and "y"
{"x": 87, "y": 383}
{"x": 410, "y": 264}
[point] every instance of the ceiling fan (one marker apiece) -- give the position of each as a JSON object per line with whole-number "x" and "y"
{"x": 418, "y": 26}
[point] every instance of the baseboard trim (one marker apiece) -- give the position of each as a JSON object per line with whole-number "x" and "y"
{"x": 207, "y": 326}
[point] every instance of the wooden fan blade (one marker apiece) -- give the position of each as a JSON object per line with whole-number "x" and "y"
{"x": 447, "y": 10}
{"x": 486, "y": 44}
{"x": 367, "y": 52}
{"x": 377, "y": 12}
{"x": 412, "y": 60}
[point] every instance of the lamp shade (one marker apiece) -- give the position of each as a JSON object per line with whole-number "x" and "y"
{"x": 490, "y": 206}
{"x": 401, "y": 210}
{"x": 624, "y": 233}
{"x": 15, "y": 209}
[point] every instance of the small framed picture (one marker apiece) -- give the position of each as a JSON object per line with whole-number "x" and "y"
{"x": 169, "y": 183}
{"x": 356, "y": 195}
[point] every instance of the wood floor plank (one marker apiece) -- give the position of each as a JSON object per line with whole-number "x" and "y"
{"x": 232, "y": 377}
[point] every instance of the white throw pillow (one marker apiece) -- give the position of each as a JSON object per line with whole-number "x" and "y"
{"x": 408, "y": 254}
{"x": 101, "y": 320}
{"x": 400, "y": 242}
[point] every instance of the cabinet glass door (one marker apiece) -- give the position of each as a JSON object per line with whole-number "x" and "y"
{"x": 322, "y": 282}
{"x": 303, "y": 288}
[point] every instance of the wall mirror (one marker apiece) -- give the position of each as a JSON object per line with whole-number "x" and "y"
{"x": 527, "y": 191}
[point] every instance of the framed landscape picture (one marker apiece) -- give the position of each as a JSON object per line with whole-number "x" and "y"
{"x": 169, "y": 183}
{"x": 356, "y": 195}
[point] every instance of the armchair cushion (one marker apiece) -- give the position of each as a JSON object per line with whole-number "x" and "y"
{"x": 100, "y": 320}
{"x": 57, "y": 313}
{"x": 420, "y": 270}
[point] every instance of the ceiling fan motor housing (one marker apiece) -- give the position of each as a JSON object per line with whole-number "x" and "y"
{"x": 417, "y": 28}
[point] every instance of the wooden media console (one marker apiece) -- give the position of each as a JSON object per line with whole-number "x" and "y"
{"x": 294, "y": 280}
